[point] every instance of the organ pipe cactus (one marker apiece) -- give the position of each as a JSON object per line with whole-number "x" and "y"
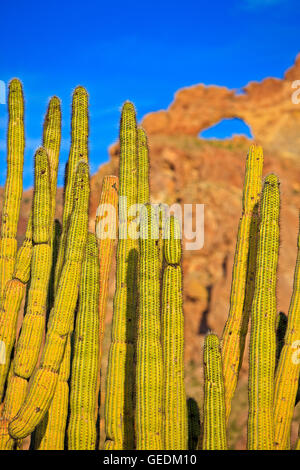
{"x": 13, "y": 295}
{"x": 82, "y": 432}
{"x": 263, "y": 318}
{"x": 30, "y": 339}
{"x": 78, "y": 152}
{"x": 288, "y": 369}
{"x": 119, "y": 425}
{"x": 214, "y": 426}
{"x": 148, "y": 413}
{"x": 236, "y": 327}
{"x": 175, "y": 429}
{"x": 16, "y": 289}
{"x": 105, "y": 228}
{"x": 45, "y": 379}
{"x": 14, "y": 183}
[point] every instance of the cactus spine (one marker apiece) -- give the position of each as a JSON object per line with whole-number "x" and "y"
{"x": 235, "y": 330}
{"x": 45, "y": 379}
{"x": 148, "y": 414}
{"x": 30, "y": 339}
{"x": 54, "y": 436}
{"x": 175, "y": 428}
{"x": 288, "y": 369}
{"x": 119, "y": 385}
{"x": 82, "y": 432}
{"x": 16, "y": 290}
{"x": 14, "y": 183}
{"x": 214, "y": 432}
{"x": 263, "y": 318}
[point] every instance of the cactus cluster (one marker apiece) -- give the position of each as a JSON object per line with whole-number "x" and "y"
{"x": 50, "y": 371}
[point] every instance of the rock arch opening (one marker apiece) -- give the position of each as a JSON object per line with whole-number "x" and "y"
{"x": 227, "y": 128}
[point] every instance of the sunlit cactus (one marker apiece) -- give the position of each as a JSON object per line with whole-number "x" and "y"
{"x": 175, "y": 426}
{"x": 262, "y": 355}
{"x": 214, "y": 425}
{"x": 14, "y": 183}
{"x": 39, "y": 398}
{"x": 119, "y": 423}
{"x": 233, "y": 339}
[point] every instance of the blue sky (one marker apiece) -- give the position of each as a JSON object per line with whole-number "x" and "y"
{"x": 141, "y": 51}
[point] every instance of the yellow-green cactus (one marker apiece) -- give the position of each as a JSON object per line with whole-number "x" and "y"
{"x": 30, "y": 339}
{"x": 105, "y": 228}
{"x": 14, "y": 397}
{"x": 119, "y": 426}
{"x": 13, "y": 295}
{"x": 233, "y": 339}
{"x": 214, "y": 425}
{"x": 262, "y": 355}
{"x": 78, "y": 152}
{"x": 175, "y": 428}
{"x": 149, "y": 367}
{"x": 14, "y": 183}
{"x": 82, "y": 433}
{"x": 45, "y": 379}
{"x": 50, "y": 433}
{"x": 57, "y": 415}
{"x": 288, "y": 369}
{"x": 17, "y": 287}
{"x": 143, "y": 168}
{"x": 51, "y": 143}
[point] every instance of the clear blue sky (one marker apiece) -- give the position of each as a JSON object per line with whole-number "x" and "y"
{"x": 141, "y": 51}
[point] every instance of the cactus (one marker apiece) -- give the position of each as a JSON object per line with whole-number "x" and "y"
{"x": 106, "y": 224}
{"x": 16, "y": 289}
{"x": 14, "y": 397}
{"x": 13, "y": 295}
{"x": 50, "y": 433}
{"x": 13, "y": 185}
{"x": 214, "y": 426}
{"x": 119, "y": 427}
{"x": 288, "y": 369}
{"x": 193, "y": 424}
{"x": 148, "y": 413}
{"x": 51, "y": 143}
{"x": 233, "y": 339}
{"x": 30, "y": 339}
{"x": 78, "y": 152}
{"x": 175, "y": 428}
{"x": 143, "y": 195}
{"x": 45, "y": 379}
{"x": 263, "y": 317}
{"x": 82, "y": 432}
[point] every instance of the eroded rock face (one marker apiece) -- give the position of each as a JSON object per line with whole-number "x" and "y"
{"x": 267, "y": 108}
